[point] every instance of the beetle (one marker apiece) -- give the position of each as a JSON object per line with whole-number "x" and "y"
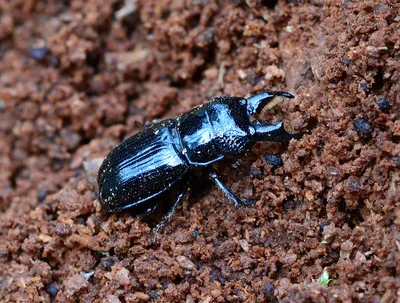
{"x": 144, "y": 166}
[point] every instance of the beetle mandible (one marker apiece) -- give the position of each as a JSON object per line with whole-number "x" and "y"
{"x": 144, "y": 166}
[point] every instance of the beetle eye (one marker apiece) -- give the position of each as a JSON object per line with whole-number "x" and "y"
{"x": 243, "y": 102}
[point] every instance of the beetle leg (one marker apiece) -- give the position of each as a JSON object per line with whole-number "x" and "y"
{"x": 171, "y": 211}
{"x": 272, "y": 132}
{"x": 226, "y": 191}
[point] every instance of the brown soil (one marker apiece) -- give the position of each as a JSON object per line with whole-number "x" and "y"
{"x": 76, "y": 77}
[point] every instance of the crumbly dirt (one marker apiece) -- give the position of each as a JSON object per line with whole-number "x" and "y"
{"x": 77, "y": 77}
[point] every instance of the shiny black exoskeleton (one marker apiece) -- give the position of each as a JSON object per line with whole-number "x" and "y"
{"x": 149, "y": 163}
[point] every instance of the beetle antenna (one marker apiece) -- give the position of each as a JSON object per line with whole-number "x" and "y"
{"x": 272, "y": 132}
{"x": 257, "y": 102}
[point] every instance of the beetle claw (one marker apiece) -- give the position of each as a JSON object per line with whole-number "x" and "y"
{"x": 272, "y": 132}
{"x": 257, "y": 102}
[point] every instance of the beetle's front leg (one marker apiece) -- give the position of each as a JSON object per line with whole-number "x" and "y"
{"x": 238, "y": 202}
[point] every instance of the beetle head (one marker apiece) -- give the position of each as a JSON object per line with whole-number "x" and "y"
{"x": 265, "y": 131}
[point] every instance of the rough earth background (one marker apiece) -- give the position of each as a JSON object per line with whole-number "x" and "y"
{"x": 76, "y": 77}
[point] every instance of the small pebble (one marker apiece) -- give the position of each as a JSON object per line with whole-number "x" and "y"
{"x": 87, "y": 275}
{"x": 250, "y": 202}
{"x": 323, "y": 225}
{"x": 352, "y": 184}
{"x": 154, "y": 294}
{"x": 274, "y": 160}
{"x": 39, "y": 53}
{"x": 185, "y": 262}
{"x": 364, "y": 86}
{"x": 107, "y": 263}
{"x": 51, "y": 289}
{"x": 244, "y": 244}
{"x": 216, "y": 275}
{"x": 346, "y": 61}
{"x": 41, "y": 195}
{"x": 383, "y": 105}
{"x": 363, "y": 128}
{"x": 269, "y": 293}
{"x": 254, "y": 172}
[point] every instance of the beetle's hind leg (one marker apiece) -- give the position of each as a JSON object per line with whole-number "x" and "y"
{"x": 171, "y": 211}
{"x": 238, "y": 202}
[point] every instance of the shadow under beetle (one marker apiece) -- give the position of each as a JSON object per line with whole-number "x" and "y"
{"x": 149, "y": 163}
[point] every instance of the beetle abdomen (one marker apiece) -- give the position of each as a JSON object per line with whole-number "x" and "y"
{"x": 140, "y": 168}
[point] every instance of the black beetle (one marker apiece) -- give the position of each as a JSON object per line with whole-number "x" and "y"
{"x": 149, "y": 163}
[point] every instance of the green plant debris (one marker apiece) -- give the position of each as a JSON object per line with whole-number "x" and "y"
{"x": 324, "y": 278}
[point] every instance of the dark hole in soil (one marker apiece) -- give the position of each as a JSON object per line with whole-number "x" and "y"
{"x": 368, "y": 9}
{"x": 279, "y": 271}
{"x": 342, "y": 206}
{"x": 131, "y": 22}
{"x": 94, "y": 59}
{"x": 209, "y": 56}
{"x": 165, "y": 13}
{"x": 270, "y": 3}
{"x": 177, "y": 280}
{"x": 289, "y": 203}
{"x": 189, "y": 279}
{"x": 193, "y": 21}
{"x": 14, "y": 177}
{"x": 51, "y": 214}
{"x": 274, "y": 44}
{"x": 323, "y": 199}
{"x": 81, "y": 220}
{"x": 122, "y": 299}
{"x": 330, "y": 258}
{"x": 379, "y": 82}
{"x": 396, "y": 139}
{"x": 354, "y": 218}
{"x": 312, "y": 124}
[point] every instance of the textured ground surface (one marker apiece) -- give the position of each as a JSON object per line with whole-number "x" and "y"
{"x": 76, "y": 77}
